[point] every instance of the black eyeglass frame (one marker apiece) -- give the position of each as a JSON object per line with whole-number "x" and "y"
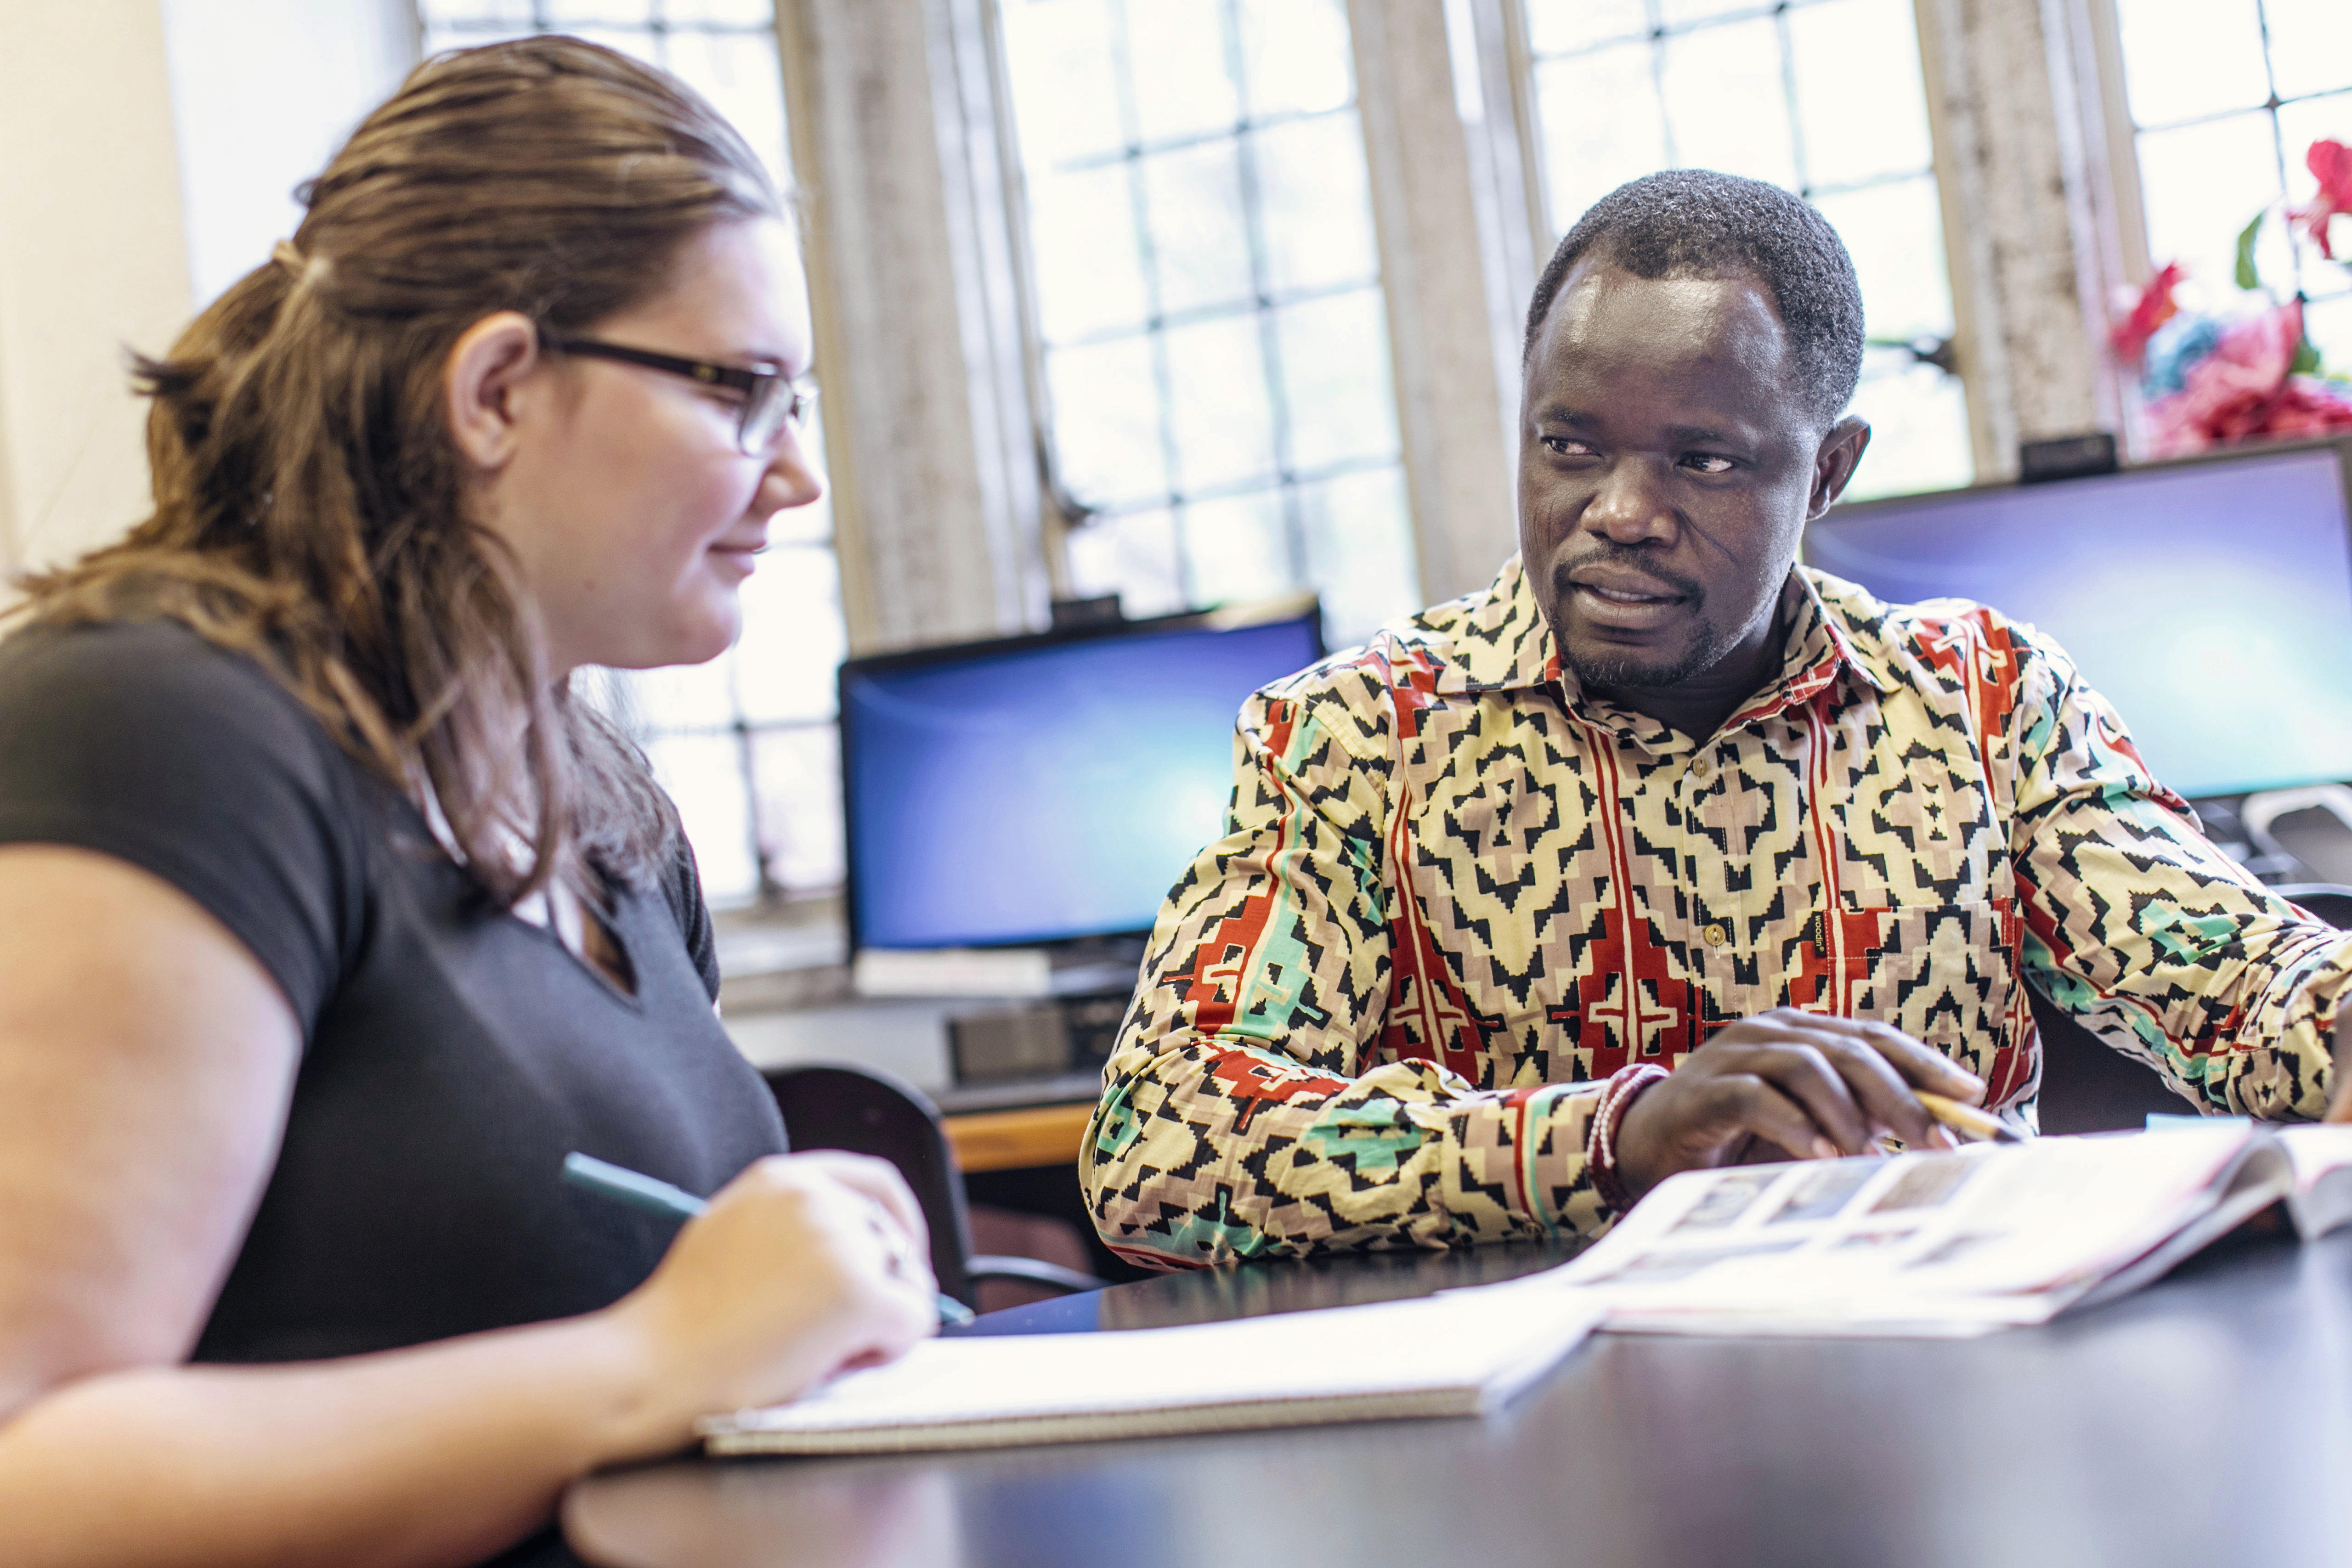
{"x": 755, "y": 428}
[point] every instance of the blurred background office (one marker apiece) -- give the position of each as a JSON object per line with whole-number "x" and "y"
{"x": 1195, "y": 301}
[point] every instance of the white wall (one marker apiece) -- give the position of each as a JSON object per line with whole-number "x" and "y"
{"x": 91, "y": 260}
{"x": 263, "y": 92}
{"x": 149, "y": 149}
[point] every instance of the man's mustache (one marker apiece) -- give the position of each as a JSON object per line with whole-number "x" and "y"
{"x": 1631, "y": 558}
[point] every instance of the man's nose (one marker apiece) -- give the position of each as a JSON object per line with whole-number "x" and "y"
{"x": 1630, "y": 505}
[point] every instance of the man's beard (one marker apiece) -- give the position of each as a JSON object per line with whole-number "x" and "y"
{"x": 1624, "y": 671}
{"x": 1627, "y": 668}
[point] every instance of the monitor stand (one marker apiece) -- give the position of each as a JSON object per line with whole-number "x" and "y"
{"x": 2312, "y": 827}
{"x": 1080, "y": 966}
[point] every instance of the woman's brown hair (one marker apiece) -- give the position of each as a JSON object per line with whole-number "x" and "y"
{"x": 309, "y": 498}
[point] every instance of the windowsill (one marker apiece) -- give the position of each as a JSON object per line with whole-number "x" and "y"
{"x": 776, "y": 957}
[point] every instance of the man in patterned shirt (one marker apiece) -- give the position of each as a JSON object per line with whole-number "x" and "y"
{"x": 1664, "y": 851}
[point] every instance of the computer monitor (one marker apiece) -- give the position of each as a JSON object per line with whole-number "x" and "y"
{"x": 2210, "y": 599}
{"x": 1045, "y": 788}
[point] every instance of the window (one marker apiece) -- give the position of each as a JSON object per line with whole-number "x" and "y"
{"x": 1822, "y": 96}
{"x": 746, "y": 744}
{"x": 1211, "y": 333}
{"x": 2225, "y": 97}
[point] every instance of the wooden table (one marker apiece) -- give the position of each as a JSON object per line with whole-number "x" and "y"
{"x": 1020, "y": 1125}
{"x": 1019, "y": 1139}
{"x": 2205, "y": 1422}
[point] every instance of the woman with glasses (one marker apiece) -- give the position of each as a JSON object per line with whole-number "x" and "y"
{"x": 330, "y": 921}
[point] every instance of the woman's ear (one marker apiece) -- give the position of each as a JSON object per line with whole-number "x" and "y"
{"x": 481, "y": 386}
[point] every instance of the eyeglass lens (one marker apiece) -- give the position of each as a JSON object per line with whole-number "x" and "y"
{"x": 774, "y": 404}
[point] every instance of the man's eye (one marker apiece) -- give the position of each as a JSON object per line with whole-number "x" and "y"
{"x": 1707, "y": 463}
{"x": 1565, "y": 446}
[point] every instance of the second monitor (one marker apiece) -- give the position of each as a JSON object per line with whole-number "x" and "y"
{"x": 2210, "y": 601}
{"x": 1045, "y": 789}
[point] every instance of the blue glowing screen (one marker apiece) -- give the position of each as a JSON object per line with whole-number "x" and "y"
{"x": 1045, "y": 791}
{"x": 2211, "y": 603}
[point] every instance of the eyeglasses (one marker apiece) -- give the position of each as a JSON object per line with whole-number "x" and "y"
{"x": 770, "y": 398}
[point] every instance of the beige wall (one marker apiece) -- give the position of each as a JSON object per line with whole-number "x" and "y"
{"x": 92, "y": 259}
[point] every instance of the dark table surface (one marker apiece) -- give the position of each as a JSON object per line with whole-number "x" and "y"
{"x": 2206, "y": 1421}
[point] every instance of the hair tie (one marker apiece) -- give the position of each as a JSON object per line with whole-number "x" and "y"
{"x": 303, "y": 269}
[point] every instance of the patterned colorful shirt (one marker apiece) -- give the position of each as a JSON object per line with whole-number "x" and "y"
{"x": 1455, "y": 893}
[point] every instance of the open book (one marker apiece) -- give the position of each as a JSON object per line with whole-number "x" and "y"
{"x": 1463, "y": 1352}
{"x": 2321, "y": 1158}
{"x": 1947, "y": 1244}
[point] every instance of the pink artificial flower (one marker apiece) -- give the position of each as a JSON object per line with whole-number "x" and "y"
{"x": 2154, "y": 308}
{"x": 2330, "y": 164}
{"x": 2243, "y": 390}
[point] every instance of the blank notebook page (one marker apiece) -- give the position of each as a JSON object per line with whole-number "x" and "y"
{"x": 1458, "y": 1353}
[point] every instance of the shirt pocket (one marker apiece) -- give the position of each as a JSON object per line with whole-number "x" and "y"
{"x": 1946, "y": 974}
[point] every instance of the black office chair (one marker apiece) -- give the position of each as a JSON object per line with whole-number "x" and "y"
{"x": 839, "y": 1106}
{"x": 2087, "y": 1086}
{"x": 2331, "y": 902}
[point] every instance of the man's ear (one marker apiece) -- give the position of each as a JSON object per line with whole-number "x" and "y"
{"x": 480, "y": 384}
{"x": 1834, "y": 464}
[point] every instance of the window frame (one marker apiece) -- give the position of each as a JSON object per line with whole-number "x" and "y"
{"x": 1507, "y": 61}
{"x": 1061, "y": 513}
{"x": 2105, "y": 24}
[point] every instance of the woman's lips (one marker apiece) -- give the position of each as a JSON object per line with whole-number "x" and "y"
{"x": 744, "y": 558}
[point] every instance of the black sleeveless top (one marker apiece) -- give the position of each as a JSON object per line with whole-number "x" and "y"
{"x": 451, "y": 1056}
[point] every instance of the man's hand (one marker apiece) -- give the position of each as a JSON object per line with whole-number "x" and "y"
{"x": 1787, "y": 1085}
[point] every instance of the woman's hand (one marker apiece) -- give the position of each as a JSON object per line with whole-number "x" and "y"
{"x": 1787, "y": 1085}
{"x": 803, "y": 1266}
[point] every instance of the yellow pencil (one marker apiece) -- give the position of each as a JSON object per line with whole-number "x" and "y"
{"x": 1976, "y": 1126}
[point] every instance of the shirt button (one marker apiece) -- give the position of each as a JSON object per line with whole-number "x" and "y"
{"x": 1715, "y": 936}
{"x": 1701, "y": 768}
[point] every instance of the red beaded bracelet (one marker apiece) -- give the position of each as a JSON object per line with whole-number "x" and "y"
{"x": 1625, "y": 1086}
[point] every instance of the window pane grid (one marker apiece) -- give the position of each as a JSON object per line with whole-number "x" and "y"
{"x": 1248, "y": 305}
{"x": 1242, "y": 127}
{"x": 747, "y": 745}
{"x": 2224, "y": 96}
{"x": 1285, "y": 478}
{"x": 1659, "y": 84}
{"x": 2273, "y": 103}
{"x": 1216, "y": 360}
{"x": 653, "y": 18}
{"x": 1658, "y": 28}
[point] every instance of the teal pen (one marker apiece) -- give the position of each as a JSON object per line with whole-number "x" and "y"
{"x": 654, "y": 1196}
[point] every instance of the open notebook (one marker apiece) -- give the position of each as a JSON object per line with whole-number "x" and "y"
{"x": 1463, "y": 1352}
{"x": 1932, "y": 1244}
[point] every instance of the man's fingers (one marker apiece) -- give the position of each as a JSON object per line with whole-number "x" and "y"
{"x": 1886, "y": 1098}
{"x": 1755, "y": 1105}
{"x": 1801, "y": 1069}
{"x": 1921, "y": 1066}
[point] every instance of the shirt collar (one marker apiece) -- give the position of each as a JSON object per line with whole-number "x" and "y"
{"x": 1492, "y": 640}
{"x": 1499, "y": 640}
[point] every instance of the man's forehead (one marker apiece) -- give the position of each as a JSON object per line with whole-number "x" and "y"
{"x": 1601, "y": 300}
{"x": 1612, "y": 325}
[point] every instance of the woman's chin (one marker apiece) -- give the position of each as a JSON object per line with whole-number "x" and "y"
{"x": 696, "y": 643}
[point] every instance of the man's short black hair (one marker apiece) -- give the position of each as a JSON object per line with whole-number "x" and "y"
{"x": 1694, "y": 223}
